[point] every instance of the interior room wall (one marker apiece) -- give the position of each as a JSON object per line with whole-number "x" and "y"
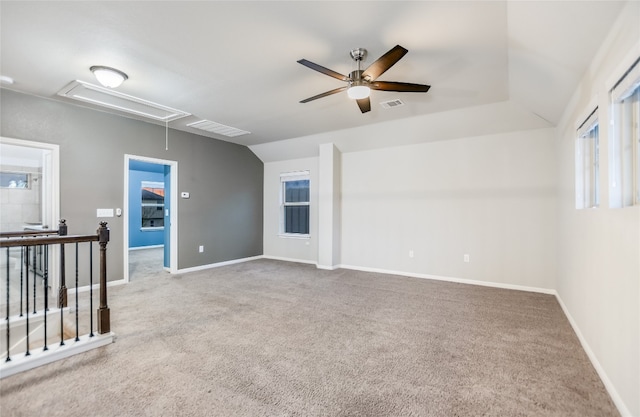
{"x": 420, "y": 208}
{"x": 223, "y": 214}
{"x": 289, "y": 248}
{"x": 599, "y": 249}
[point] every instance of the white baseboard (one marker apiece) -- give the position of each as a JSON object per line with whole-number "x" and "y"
{"x": 615, "y": 397}
{"x": 279, "y": 258}
{"x": 218, "y": 264}
{"x": 96, "y": 287}
{"x": 328, "y": 267}
{"x": 453, "y": 279}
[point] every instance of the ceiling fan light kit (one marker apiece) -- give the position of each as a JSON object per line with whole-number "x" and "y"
{"x": 357, "y": 92}
{"x": 108, "y": 77}
{"x": 360, "y": 83}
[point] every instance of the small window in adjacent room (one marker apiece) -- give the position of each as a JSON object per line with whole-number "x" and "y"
{"x": 152, "y": 205}
{"x": 624, "y": 151}
{"x": 587, "y": 163}
{"x": 14, "y": 180}
{"x": 294, "y": 204}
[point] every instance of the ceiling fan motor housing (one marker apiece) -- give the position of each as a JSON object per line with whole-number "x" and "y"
{"x": 355, "y": 78}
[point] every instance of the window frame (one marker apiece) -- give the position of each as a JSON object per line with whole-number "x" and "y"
{"x": 151, "y": 184}
{"x": 290, "y": 177}
{"x": 624, "y": 145}
{"x": 587, "y": 180}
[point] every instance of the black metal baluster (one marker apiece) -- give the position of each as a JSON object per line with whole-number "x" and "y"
{"x": 77, "y": 315}
{"x": 35, "y": 278}
{"x": 21, "y": 275}
{"x": 62, "y": 295}
{"x": 8, "y": 332}
{"x": 46, "y": 292}
{"x": 90, "y": 289}
{"x": 26, "y": 288}
{"x": 8, "y": 283}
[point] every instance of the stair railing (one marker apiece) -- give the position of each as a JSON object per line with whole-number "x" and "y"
{"x": 30, "y": 242}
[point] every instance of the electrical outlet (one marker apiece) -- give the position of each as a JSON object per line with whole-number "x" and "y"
{"x": 411, "y": 253}
{"x": 466, "y": 257}
{"x": 200, "y": 248}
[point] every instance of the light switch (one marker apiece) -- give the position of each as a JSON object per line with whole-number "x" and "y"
{"x": 104, "y": 213}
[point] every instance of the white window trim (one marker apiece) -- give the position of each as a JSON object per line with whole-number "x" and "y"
{"x": 286, "y": 177}
{"x": 624, "y": 190}
{"x": 587, "y": 189}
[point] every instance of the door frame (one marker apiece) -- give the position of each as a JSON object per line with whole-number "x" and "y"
{"x": 173, "y": 212}
{"x": 52, "y": 172}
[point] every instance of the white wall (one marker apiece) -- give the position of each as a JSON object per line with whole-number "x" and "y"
{"x": 275, "y": 246}
{"x": 599, "y": 249}
{"x": 492, "y": 197}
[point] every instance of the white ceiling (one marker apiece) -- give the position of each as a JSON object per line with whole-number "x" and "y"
{"x": 235, "y": 62}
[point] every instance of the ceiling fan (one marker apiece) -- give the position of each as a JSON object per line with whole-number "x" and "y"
{"x": 361, "y": 82}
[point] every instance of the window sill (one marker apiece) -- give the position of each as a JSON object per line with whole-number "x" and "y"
{"x": 294, "y": 236}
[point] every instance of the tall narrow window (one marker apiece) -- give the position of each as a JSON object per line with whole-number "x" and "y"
{"x": 294, "y": 204}
{"x": 625, "y": 145}
{"x": 588, "y": 163}
{"x": 152, "y": 204}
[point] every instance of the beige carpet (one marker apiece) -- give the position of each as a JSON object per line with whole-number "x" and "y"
{"x": 268, "y": 338}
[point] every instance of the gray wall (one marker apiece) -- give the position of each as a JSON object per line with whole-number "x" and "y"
{"x": 224, "y": 213}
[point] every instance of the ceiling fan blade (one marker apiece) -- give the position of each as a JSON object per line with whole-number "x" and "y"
{"x": 364, "y": 104}
{"x": 402, "y": 87}
{"x": 326, "y": 93}
{"x": 385, "y": 62}
{"x": 320, "y": 68}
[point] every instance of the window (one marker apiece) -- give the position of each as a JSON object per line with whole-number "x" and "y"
{"x": 14, "y": 180}
{"x": 587, "y": 163}
{"x": 294, "y": 204}
{"x": 625, "y": 146}
{"x": 152, "y": 202}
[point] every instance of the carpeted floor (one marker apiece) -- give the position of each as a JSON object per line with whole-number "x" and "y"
{"x": 269, "y": 338}
{"x": 148, "y": 262}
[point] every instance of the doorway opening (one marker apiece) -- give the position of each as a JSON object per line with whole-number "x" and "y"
{"x": 31, "y": 194}
{"x": 150, "y": 217}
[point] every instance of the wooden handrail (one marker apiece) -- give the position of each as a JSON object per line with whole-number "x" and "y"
{"x": 22, "y": 239}
{"x": 26, "y": 233}
{"x": 51, "y": 240}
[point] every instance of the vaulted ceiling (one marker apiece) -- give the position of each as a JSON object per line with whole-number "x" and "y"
{"x": 513, "y": 64}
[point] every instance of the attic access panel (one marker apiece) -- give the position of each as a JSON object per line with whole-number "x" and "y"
{"x": 105, "y": 97}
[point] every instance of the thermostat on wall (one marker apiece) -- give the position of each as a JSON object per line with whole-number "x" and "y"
{"x": 184, "y": 194}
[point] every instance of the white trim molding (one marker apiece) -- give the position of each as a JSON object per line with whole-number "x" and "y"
{"x": 615, "y": 397}
{"x": 453, "y": 279}
{"x": 218, "y": 264}
{"x": 55, "y": 352}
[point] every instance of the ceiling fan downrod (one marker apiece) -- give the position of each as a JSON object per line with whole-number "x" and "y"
{"x": 358, "y": 55}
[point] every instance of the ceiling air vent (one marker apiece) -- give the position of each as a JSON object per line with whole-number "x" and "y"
{"x": 392, "y": 103}
{"x": 218, "y": 128}
{"x": 105, "y": 97}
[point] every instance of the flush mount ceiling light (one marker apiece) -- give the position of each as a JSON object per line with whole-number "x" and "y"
{"x": 107, "y": 76}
